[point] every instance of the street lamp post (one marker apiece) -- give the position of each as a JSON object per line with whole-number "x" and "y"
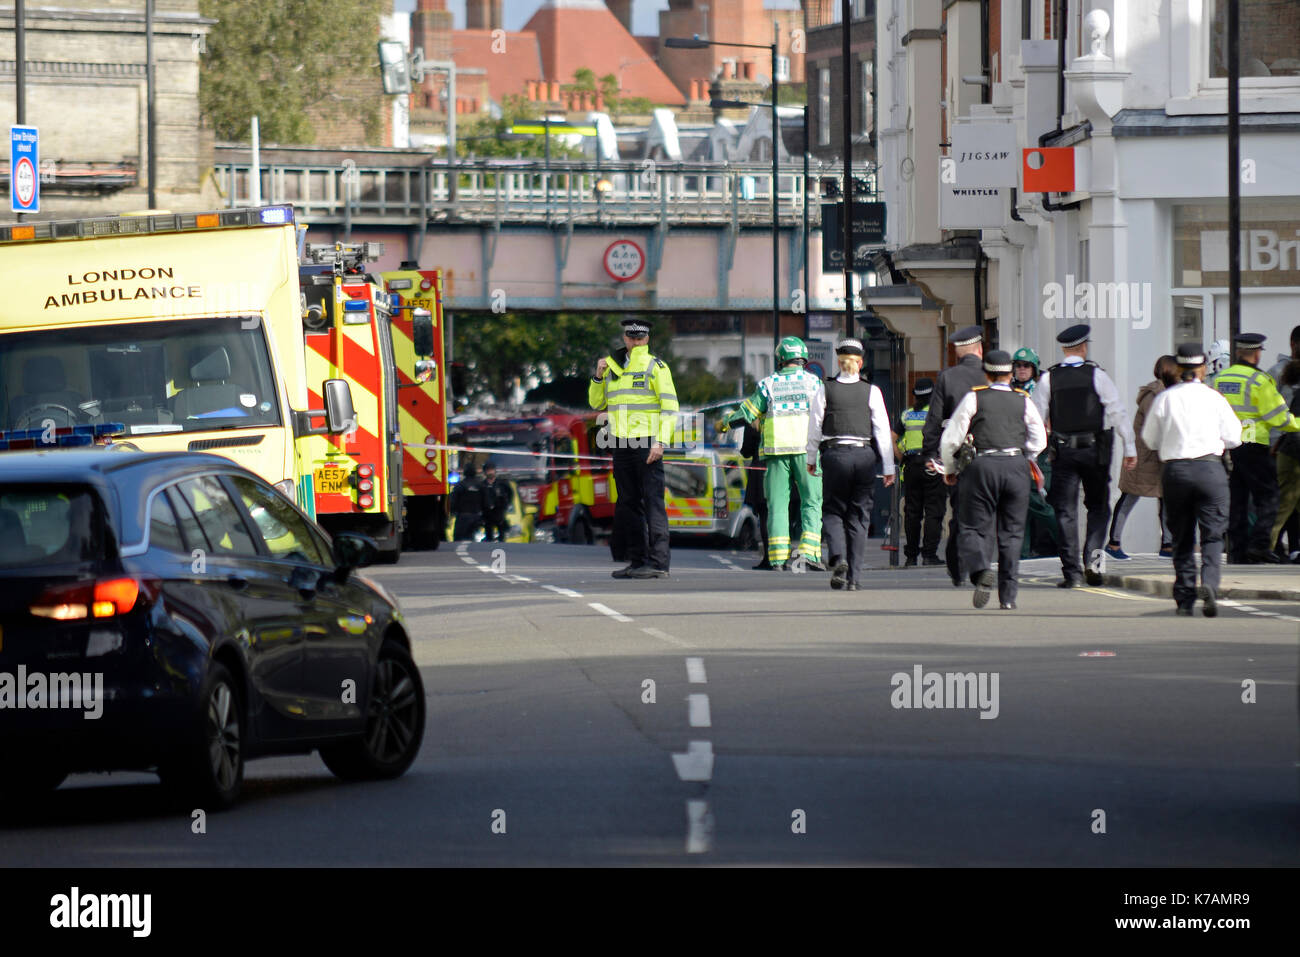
{"x": 741, "y": 104}
{"x": 695, "y": 43}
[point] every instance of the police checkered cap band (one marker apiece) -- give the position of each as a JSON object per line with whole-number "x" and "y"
{"x": 968, "y": 336}
{"x": 1190, "y": 354}
{"x": 1249, "y": 340}
{"x": 1192, "y": 360}
{"x": 919, "y": 389}
{"x": 1075, "y": 335}
{"x": 851, "y": 347}
{"x": 636, "y": 329}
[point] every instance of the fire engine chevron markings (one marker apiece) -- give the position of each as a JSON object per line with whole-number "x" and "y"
{"x": 606, "y": 610}
{"x": 699, "y": 834}
{"x": 697, "y": 763}
{"x": 699, "y": 708}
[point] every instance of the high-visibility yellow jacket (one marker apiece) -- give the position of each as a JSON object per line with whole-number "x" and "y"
{"x": 784, "y": 402}
{"x": 637, "y": 391}
{"x": 913, "y": 424}
{"x": 1253, "y": 395}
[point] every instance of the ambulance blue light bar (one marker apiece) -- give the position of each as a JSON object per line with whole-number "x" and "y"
{"x": 276, "y": 215}
{"x": 145, "y": 223}
{"x": 356, "y": 305}
{"x": 77, "y": 436}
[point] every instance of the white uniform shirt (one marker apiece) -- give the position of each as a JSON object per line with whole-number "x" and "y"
{"x": 1116, "y": 416}
{"x": 879, "y": 424}
{"x": 954, "y": 433}
{"x": 1189, "y": 420}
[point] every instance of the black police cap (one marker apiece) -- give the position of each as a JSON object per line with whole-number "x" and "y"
{"x": 1249, "y": 340}
{"x": 997, "y": 361}
{"x": 1075, "y": 335}
{"x": 967, "y": 337}
{"x": 1190, "y": 355}
{"x": 923, "y": 387}
{"x": 636, "y": 326}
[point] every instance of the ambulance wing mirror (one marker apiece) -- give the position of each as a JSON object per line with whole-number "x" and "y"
{"x": 339, "y": 415}
{"x": 422, "y": 332}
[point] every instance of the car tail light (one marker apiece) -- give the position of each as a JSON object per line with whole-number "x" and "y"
{"x": 101, "y": 599}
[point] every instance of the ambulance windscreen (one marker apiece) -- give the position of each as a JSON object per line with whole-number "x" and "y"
{"x": 154, "y": 377}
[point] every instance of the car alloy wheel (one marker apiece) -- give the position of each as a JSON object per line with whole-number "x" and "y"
{"x": 394, "y": 713}
{"x": 208, "y": 769}
{"x": 394, "y": 725}
{"x": 224, "y": 747}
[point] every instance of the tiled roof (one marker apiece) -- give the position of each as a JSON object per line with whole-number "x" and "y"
{"x": 509, "y": 69}
{"x": 574, "y": 34}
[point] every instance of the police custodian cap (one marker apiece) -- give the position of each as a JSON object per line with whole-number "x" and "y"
{"x": 1249, "y": 340}
{"x": 1075, "y": 335}
{"x": 1190, "y": 355}
{"x": 636, "y": 326}
{"x": 923, "y": 387}
{"x": 967, "y": 337}
{"x": 999, "y": 360}
{"x": 849, "y": 347}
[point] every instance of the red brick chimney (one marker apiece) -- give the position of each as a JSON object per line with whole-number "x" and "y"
{"x": 431, "y": 25}
{"x": 484, "y": 14}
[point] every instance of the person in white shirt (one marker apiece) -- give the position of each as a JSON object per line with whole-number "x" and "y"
{"x": 1083, "y": 410}
{"x": 993, "y": 498}
{"x": 849, "y": 426}
{"x": 1189, "y": 426}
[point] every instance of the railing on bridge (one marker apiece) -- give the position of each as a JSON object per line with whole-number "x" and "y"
{"x": 529, "y": 191}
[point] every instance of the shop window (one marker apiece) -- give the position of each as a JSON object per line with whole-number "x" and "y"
{"x": 1269, "y": 33}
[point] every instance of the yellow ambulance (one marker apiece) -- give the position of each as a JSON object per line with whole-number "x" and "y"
{"x": 184, "y": 329}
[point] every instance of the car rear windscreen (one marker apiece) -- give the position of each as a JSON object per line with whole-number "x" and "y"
{"x": 48, "y": 525}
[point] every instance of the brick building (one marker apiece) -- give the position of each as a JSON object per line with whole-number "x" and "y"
{"x": 825, "y": 65}
{"x": 86, "y": 93}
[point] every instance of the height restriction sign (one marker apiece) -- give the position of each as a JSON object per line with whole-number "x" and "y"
{"x": 24, "y": 184}
{"x": 624, "y": 260}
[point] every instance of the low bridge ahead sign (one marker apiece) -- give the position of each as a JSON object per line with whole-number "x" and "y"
{"x": 24, "y": 161}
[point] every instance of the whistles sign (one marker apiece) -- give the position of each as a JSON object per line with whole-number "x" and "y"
{"x": 1048, "y": 169}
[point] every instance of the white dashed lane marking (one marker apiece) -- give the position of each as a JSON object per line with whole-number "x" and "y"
{"x": 699, "y": 831}
{"x": 664, "y": 636}
{"x": 697, "y": 763}
{"x": 699, "y": 706}
{"x": 606, "y": 610}
{"x": 694, "y": 670}
{"x": 727, "y": 562}
{"x": 566, "y": 592}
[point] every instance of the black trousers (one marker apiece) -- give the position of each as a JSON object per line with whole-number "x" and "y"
{"x": 1253, "y": 481}
{"x": 1072, "y": 468}
{"x": 848, "y": 486}
{"x": 640, "y": 515}
{"x": 950, "y": 553}
{"x": 496, "y": 527}
{"x": 467, "y": 524}
{"x": 1196, "y": 494}
{"x": 923, "y": 498}
{"x": 994, "y": 503}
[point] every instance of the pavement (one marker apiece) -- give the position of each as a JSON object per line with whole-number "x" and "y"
{"x": 1153, "y": 575}
{"x": 1150, "y": 574}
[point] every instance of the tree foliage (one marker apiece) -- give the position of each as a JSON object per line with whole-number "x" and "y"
{"x": 486, "y": 136}
{"x": 290, "y": 62}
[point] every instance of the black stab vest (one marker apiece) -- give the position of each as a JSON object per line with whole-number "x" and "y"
{"x": 848, "y": 410}
{"x": 1075, "y": 407}
{"x": 999, "y": 420}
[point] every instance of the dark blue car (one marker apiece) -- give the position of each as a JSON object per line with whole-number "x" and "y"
{"x": 173, "y": 611}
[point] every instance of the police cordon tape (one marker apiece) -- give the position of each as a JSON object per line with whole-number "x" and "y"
{"x": 563, "y": 455}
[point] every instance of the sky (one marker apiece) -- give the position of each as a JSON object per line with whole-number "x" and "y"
{"x": 645, "y": 13}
